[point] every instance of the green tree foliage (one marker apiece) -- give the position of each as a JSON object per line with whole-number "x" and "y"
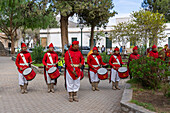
{"x": 162, "y": 6}
{"x": 22, "y": 13}
{"x": 97, "y": 14}
{"x": 123, "y": 33}
{"x": 150, "y": 26}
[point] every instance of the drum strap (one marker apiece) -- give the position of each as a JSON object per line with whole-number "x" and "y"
{"x": 95, "y": 57}
{"x": 23, "y": 58}
{"x": 49, "y": 56}
{"x": 116, "y": 59}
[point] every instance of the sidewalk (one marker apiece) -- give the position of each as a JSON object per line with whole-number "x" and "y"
{"x": 39, "y": 101}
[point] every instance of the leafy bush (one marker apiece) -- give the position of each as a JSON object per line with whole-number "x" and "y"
{"x": 105, "y": 57}
{"x": 149, "y": 72}
{"x": 37, "y": 54}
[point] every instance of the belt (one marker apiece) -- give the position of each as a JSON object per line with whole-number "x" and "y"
{"x": 22, "y": 64}
{"x": 75, "y": 65}
{"x": 95, "y": 65}
{"x": 50, "y": 64}
{"x": 115, "y": 63}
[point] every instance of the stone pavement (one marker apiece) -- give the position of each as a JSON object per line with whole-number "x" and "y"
{"x": 39, "y": 101}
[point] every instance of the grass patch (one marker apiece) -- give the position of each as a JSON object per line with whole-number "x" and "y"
{"x": 145, "y": 105}
{"x": 38, "y": 64}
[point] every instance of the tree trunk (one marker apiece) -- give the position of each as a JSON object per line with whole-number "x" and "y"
{"x": 64, "y": 31}
{"x": 92, "y": 37}
{"x": 12, "y": 44}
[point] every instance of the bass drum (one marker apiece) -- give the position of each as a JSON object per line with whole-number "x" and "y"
{"x": 123, "y": 72}
{"x": 102, "y": 73}
{"x": 29, "y": 74}
{"x": 53, "y": 73}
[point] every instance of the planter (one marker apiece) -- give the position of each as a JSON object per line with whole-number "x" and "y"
{"x": 128, "y": 107}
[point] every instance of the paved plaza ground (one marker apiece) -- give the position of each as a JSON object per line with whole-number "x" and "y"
{"x": 39, "y": 101}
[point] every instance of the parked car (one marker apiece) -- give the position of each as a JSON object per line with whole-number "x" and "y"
{"x": 85, "y": 50}
{"x": 56, "y": 49}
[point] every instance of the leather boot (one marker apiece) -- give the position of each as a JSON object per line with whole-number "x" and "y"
{"x": 75, "y": 97}
{"x": 96, "y": 86}
{"x": 70, "y": 97}
{"x": 52, "y": 88}
{"x": 49, "y": 88}
{"x": 93, "y": 86}
{"x": 117, "y": 85}
{"x": 22, "y": 89}
{"x": 113, "y": 85}
{"x": 25, "y": 88}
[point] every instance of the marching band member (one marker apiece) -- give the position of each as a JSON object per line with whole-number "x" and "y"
{"x": 115, "y": 62}
{"x": 94, "y": 61}
{"x": 73, "y": 62}
{"x": 133, "y": 56}
{"x": 50, "y": 60}
{"x": 22, "y": 62}
{"x": 154, "y": 52}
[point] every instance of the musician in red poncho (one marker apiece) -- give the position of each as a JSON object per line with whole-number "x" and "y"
{"x": 50, "y": 60}
{"x": 94, "y": 61}
{"x": 133, "y": 56}
{"x": 154, "y": 52}
{"x": 73, "y": 62}
{"x": 23, "y": 61}
{"x": 115, "y": 62}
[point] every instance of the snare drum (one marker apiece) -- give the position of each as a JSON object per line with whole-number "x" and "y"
{"x": 53, "y": 73}
{"x": 123, "y": 72}
{"x": 29, "y": 74}
{"x": 102, "y": 73}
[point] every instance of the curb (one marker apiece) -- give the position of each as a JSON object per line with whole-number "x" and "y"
{"x": 128, "y": 107}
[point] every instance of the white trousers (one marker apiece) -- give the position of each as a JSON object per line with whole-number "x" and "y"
{"x": 72, "y": 85}
{"x": 49, "y": 80}
{"x": 22, "y": 79}
{"x": 93, "y": 77}
{"x": 114, "y": 75}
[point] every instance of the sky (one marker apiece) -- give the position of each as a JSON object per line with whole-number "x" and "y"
{"x": 124, "y": 8}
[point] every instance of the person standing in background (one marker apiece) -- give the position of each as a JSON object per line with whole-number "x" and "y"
{"x": 103, "y": 49}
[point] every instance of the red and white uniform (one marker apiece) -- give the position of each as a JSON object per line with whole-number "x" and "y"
{"x": 133, "y": 56}
{"x": 115, "y": 62}
{"x": 23, "y": 60}
{"x": 94, "y": 61}
{"x": 73, "y": 82}
{"x": 50, "y": 59}
{"x": 153, "y": 53}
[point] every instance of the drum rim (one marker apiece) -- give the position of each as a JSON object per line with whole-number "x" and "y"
{"x": 104, "y": 73}
{"x": 122, "y": 72}
{"x": 28, "y": 73}
{"x": 52, "y": 72}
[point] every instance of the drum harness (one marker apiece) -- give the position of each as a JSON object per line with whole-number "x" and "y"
{"x": 96, "y": 59}
{"x": 51, "y": 60}
{"x": 72, "y": 63}
{"x": 24, "y": 60}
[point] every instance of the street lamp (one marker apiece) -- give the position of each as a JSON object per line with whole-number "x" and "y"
{"x": 106, "y": 34}
{"x": 81, "y": 25}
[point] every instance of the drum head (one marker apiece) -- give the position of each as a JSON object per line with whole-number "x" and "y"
{"x": 122, "y": 69}
{"x": 27, "y": 71}
{"x": 52, "y": 69}
{"x": 102, "y": 71}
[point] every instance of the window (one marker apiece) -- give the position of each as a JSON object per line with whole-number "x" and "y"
{"x": 74, "y": 39}
{"x": 108, "y": 43}
{"x": 169, "y": 42}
